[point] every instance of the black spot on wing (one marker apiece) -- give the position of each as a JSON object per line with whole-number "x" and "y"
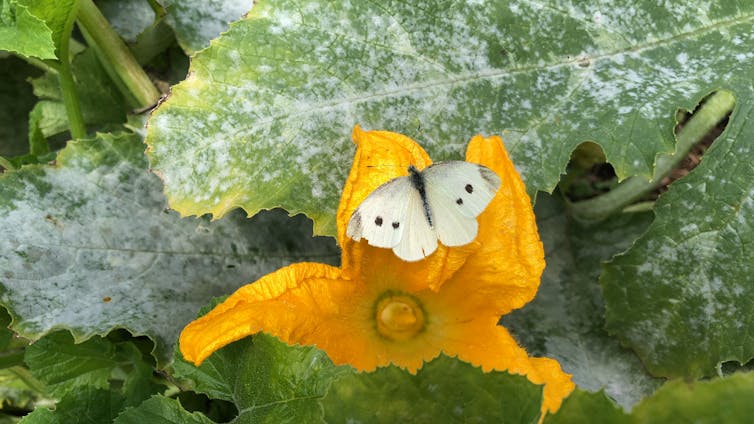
{"x": 469, "y": 188}
{"x": 459, "y": 201}
{"x": 378, "y": 221}
{"x": 396, "y": 225}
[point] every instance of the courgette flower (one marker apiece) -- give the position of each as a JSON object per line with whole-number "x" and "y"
{"x": 376, "y": 310}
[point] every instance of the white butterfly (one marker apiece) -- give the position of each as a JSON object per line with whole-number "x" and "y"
{"x": 409, "y": 214}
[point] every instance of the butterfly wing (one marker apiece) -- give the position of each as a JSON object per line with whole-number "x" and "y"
{"x": 376, "y": 217}
{"x": 419, "y": 240}
{"x": 393, "y": 217}
{"x": 457, "y": 192}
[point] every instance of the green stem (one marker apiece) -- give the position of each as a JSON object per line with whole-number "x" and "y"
{"x": 714, "y": 109}
{"x": 67, "y": 85}
{"x": 5, "y": 163}
{"x": 117, "y": 55}
{"x": 110, "y": 69}
{"x": 24, "y": 375}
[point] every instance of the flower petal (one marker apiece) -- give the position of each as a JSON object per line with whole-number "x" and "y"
{"x": 505, "y": 271}
{"x": 260, "y": 306}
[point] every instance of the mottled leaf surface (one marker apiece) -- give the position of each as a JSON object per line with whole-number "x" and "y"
{"x": 267, "y": 380}
{"x": 23, "y": 33}
{"x": 721, "y": 400}
{"x": 683, "y": 296}
{"x": 196, "y": 22}
{"x": 566, "y": 320}
{"x": 89, "y": 245}
{"x": 444, "y": 390}
{"x": 127, "y": 17}
{"x": 274, "y": 99}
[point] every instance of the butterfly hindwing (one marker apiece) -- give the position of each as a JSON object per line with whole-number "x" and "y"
{"x": 457, "y": 192}
{"x": 381, "y": 217}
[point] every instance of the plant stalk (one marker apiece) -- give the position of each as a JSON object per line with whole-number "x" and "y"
{"x": 117, "y": 55}
{"x": 68, "y": 86}
{"x": 714, "y": 109}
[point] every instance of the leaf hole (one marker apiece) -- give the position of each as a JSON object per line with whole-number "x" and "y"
{"x": 588, "y": 174}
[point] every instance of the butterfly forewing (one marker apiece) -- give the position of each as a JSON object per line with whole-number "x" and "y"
{"x": 457, "y": 192}
{"x": 419, "y": 240}
{"x": 381, "y": 216}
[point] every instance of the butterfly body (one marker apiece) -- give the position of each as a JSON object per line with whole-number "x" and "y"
{"x": 410, "y": 214}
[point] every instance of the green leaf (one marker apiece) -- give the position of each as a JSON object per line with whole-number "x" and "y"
{"x": 57, "y": 16}
{"x": 275, "y": 98}
{"x": 444, "y": 390}
{"x": 196, "y": 22}
{"x": 96, "y": 363}
{"x": 160, "y": 410}
{"x": 266, "y": 379}
{"x": 682, "y": 296}
{"x": 566, "y": 319}
{"x": 23, "y": 33}
{"x": 82, "y": 405}
{"x": 582, "y": 406}
{"x": 89, "y": 246}
{"x": 722, "y": 400}
{"x": 100, "y": 100}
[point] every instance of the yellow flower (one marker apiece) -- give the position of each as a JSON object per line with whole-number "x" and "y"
{"x": 377, "y": 309}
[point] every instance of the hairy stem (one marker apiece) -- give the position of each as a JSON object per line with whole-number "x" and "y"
{"x": 714, "y": 109}
{"x": 117, "y": 55}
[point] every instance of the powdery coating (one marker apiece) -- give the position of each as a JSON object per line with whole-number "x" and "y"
{"x": 76, "y": 235}
{"x": 682, "y": 296}
{"x": 196, "y": 22}
{"x": 282, "y": 89}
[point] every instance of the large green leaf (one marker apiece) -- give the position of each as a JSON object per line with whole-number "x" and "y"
{"x": 58, "y": 16}
{"x": 581, "y": 407}
{"x": 160, "y": 410}
{"x": 196, "y": 22}
{"x": 444, "y": 390}
{"x": 23, "y": 33}
{"x": 722, "y": 400}
{"x": 683, "y": 296}
{"x": 274, "y": 99}
{"x": 89, "y": 246}
{"x": 96, "y": 363}
{"x": 267, "y": 380}
{"x": 566, "y": 319}
{"x": 84, "y": 404}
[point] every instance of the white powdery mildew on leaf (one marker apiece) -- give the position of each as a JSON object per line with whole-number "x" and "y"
{"x": 90, "y": 247}
{"x": 278, "y": 93}
{"x": 682, "y": 296}
{"x": 196, "y": 22}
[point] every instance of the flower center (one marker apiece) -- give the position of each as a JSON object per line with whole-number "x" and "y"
{"x": 399, "y": 316}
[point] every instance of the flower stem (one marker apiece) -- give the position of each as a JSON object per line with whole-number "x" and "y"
{"x": 715, "y": 108}
{"x": 68, "y": 86}
{"x": 117, "y": 55}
